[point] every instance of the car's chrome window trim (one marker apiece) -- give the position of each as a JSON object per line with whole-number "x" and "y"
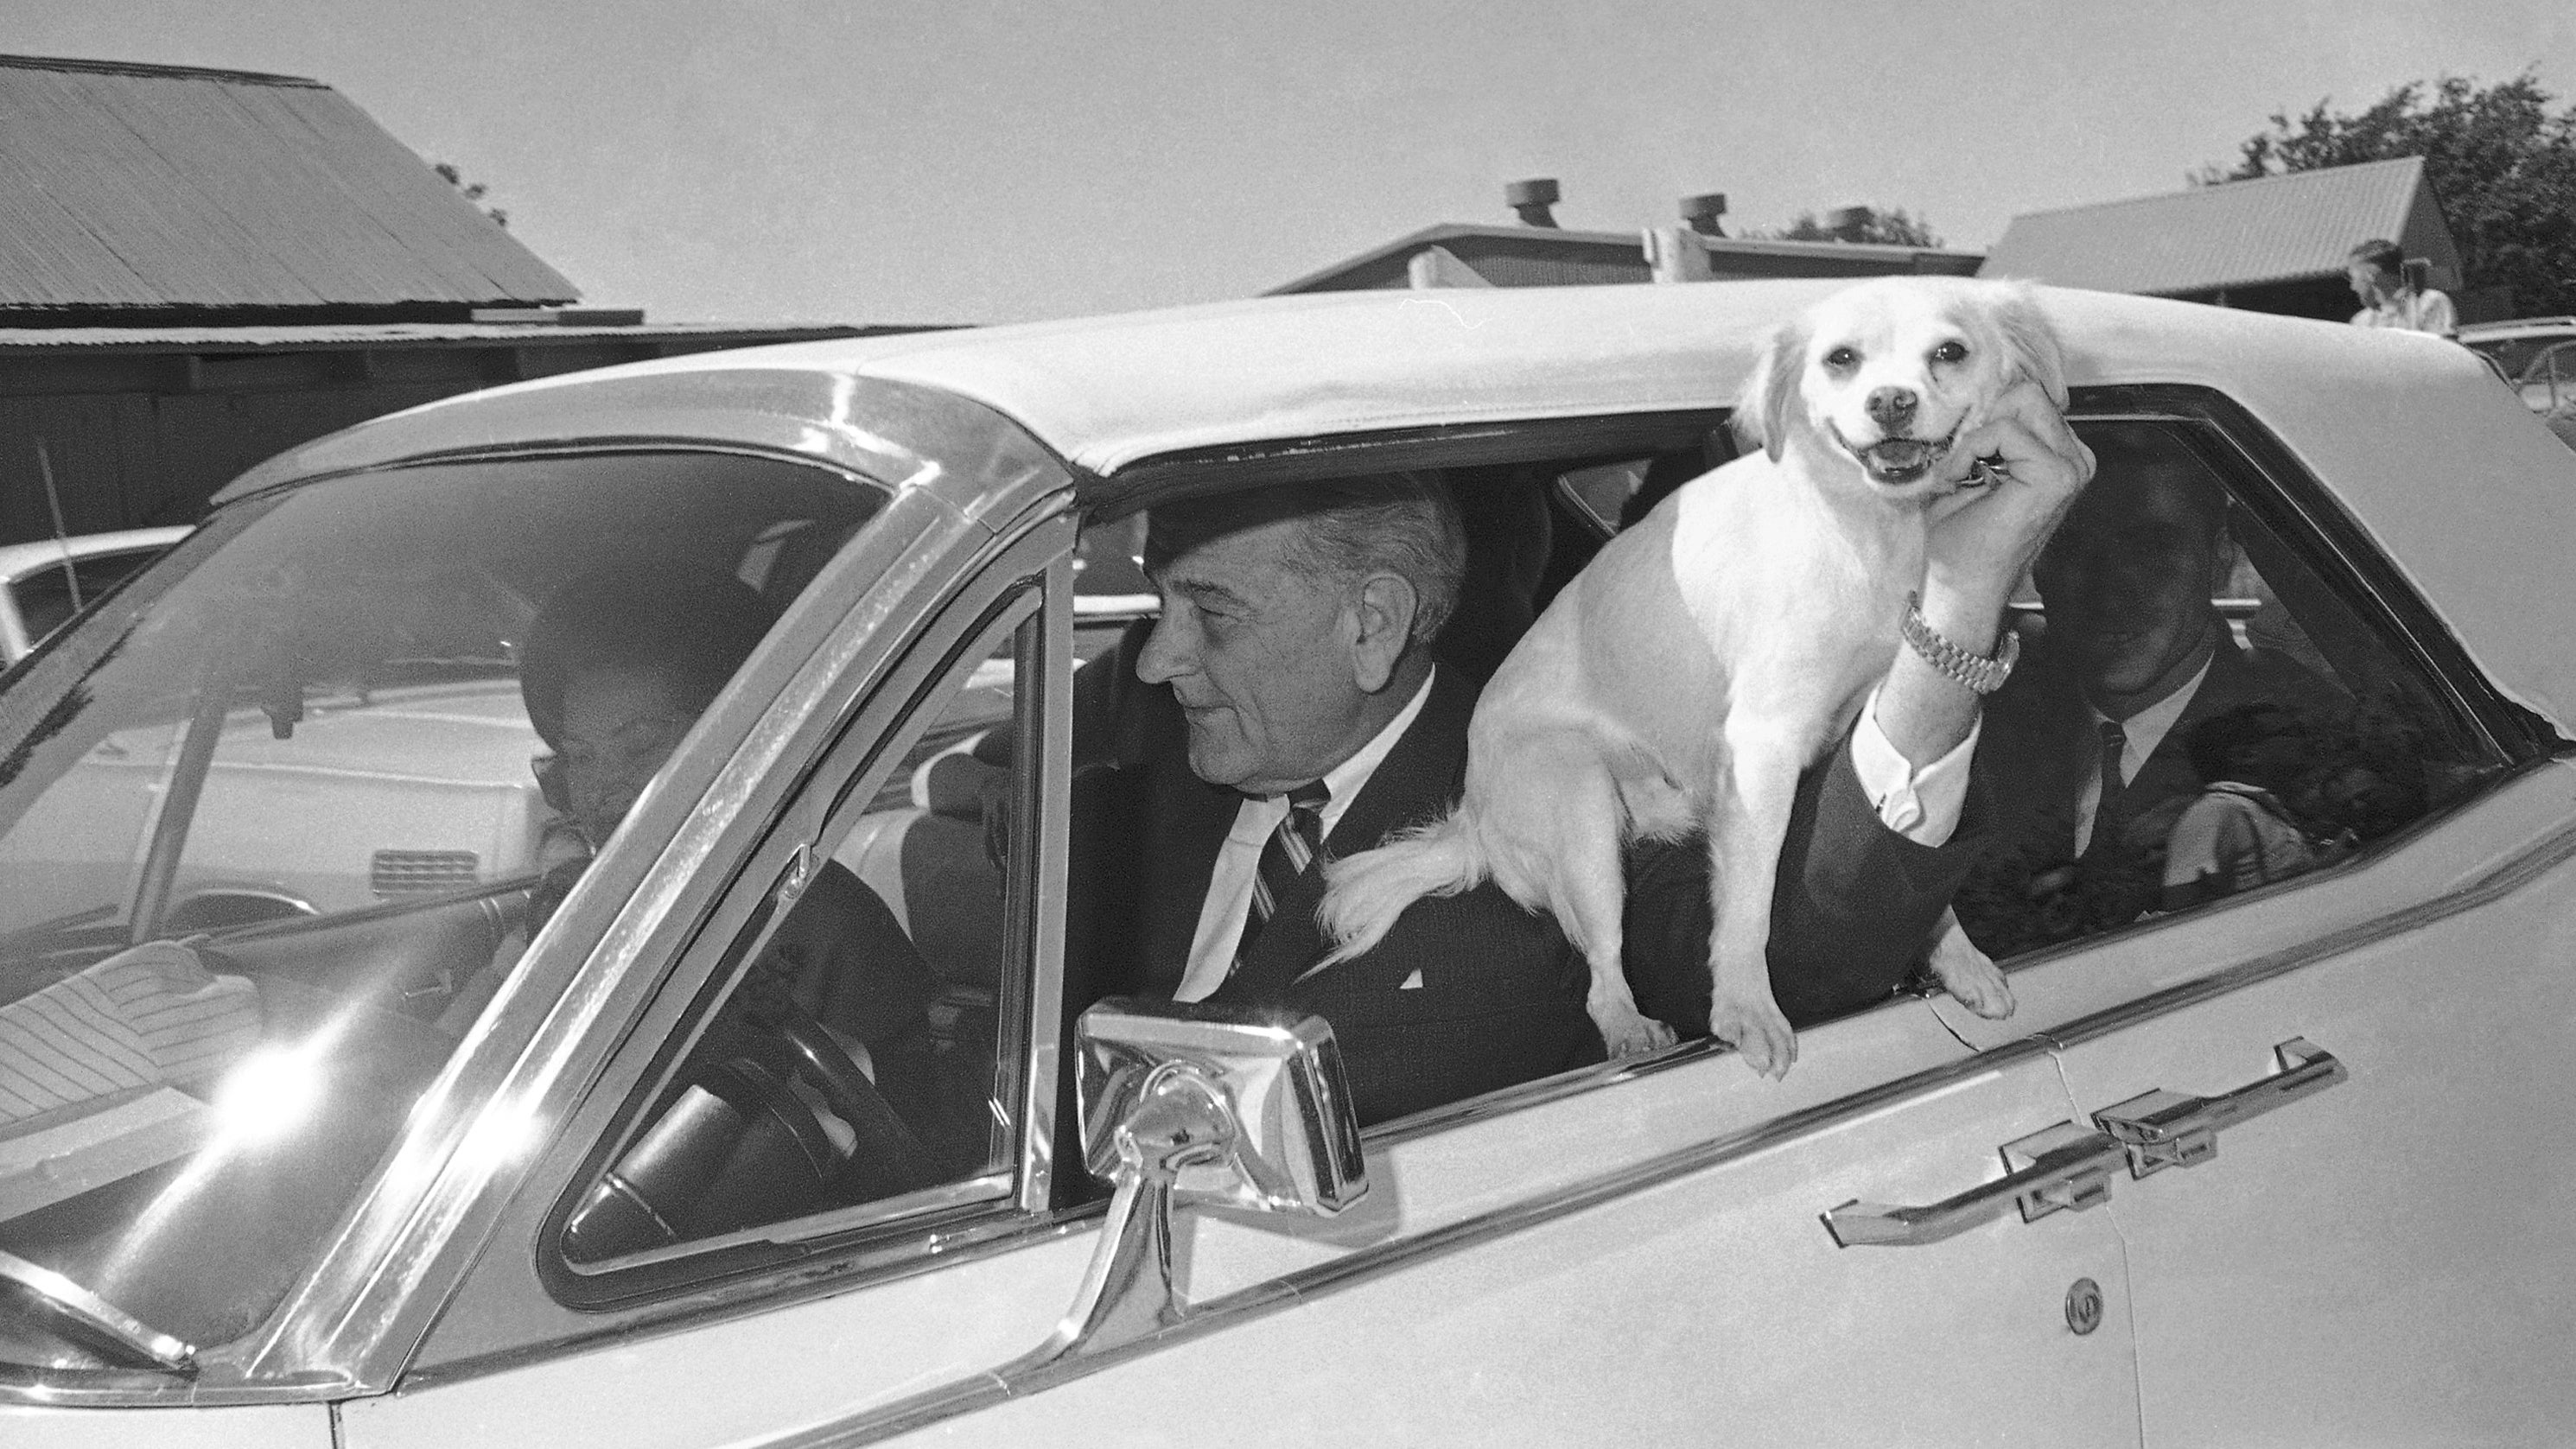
{"x": 943, "y": 1200}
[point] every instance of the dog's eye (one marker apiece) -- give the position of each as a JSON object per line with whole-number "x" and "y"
{"x": 1951, "y": 351}
{"x": 1842, "y": 357}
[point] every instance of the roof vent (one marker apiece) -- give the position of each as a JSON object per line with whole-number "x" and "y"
{"x": 1531, "y": 199}
{"x": 1703, "y": 210}
{"x": 1849, "y": 223}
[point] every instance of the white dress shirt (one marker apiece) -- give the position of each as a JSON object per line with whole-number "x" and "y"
{"x": 1238, "y": 862}
{"x": 2144, "y": 731}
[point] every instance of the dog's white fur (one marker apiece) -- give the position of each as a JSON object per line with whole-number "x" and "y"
{"x": 1713, "y": 651}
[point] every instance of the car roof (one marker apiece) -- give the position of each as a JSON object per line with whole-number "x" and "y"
{"x": 2511, "y": 328}
{"x": 1108, "y": 393}
{"x": 17, "y": 560}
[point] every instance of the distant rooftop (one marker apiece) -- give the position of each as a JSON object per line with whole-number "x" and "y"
{"x": 175, "y": 192}
{"x": 2233, "y": 235}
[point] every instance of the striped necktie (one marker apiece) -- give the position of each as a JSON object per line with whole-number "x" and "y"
{"x": 1285, "y": 857}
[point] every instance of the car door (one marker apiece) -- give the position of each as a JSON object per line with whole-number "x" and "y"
{"x": 2338, "y": 1085}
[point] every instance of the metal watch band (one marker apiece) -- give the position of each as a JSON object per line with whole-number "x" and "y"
{"x": 1973, "y": 672}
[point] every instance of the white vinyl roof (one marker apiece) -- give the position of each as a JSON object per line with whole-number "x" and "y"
{"x": 2473, "y": 499}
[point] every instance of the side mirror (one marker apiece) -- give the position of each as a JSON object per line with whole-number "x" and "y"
{"x": 1194, "y": 1104}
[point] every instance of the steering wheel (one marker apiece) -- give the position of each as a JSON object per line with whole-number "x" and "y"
{"x": 740, "y": 1146}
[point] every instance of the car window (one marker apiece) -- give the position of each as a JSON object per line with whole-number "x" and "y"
{"x": 860, "y": 1058}
{"x": 273, "y": 825}
{"x": 47, "y": 598}
{"x": 2205, "y": 705}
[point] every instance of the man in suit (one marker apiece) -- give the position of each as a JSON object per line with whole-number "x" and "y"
{"x": 1293, "y": 650}
{"x": 2086, "y": 751}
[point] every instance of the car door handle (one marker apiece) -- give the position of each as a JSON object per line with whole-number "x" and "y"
{"x": 2063, "y": 1167}
{"x": 2162, "y": 1129}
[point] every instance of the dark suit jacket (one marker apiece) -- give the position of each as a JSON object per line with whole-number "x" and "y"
{"x": 2039, "y": 750}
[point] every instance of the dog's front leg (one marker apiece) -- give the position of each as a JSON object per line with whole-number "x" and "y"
{"x": 1746, "y": 827}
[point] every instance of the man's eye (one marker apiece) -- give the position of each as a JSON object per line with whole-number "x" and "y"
{"x": 1952, "y": 351}
{"x": 1842, "y": 357}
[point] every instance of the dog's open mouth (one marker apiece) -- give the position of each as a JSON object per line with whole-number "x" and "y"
{"x": 1899, "y": 460}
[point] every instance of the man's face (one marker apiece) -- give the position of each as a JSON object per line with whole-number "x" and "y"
{"x": 1260, "y": 658}
{"x": 2127, "y": 581}
{"x": 2369, "y": 283}
{"x": 619, "y": 727}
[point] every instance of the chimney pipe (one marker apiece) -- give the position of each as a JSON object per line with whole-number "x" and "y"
{"x": 1702, "y": 212}
{"x": 1531, "y": 199}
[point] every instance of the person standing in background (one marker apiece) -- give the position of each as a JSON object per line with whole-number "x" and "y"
{"x": 2391, "y": 298}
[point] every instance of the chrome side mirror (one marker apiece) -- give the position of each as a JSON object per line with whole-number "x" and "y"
{"x": 1192, "y": 1104}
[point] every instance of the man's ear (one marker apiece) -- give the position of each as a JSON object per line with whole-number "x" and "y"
{"x": 1381, "y": 613}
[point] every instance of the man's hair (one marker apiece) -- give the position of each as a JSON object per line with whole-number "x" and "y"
{"x": 1398, "y": 523}
{"x": 693, "y": 626}
{"x": 2385, "y": 255}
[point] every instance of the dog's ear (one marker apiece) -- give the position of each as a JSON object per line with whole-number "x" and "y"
{"x": 1761, "y": 417}
{"x": 2030, "y": 342}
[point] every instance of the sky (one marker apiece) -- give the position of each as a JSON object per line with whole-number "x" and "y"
{"x": 887, "y": 161}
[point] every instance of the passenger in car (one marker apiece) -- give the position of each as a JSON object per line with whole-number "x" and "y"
{"x": 1291, "y": 653}
{"x": 615, "y": 670}
{"x": 2085, "y": 748}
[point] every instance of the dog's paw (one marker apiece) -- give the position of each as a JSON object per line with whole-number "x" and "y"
{"x": 1628, "y": 1032}
{"x": 1758, "y": 1032}
{"x": 1973, "y": 978}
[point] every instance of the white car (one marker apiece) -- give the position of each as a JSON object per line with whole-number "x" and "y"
{"x": 43, "y": 584}
{"x": 518, "y": 1158}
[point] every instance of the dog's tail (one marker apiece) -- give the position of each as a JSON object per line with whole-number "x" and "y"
{"x": 1364, "y": 893}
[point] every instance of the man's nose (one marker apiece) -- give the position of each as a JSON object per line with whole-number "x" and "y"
{"x": 1892, "y": 408}
{"x": 1162, "y": 659}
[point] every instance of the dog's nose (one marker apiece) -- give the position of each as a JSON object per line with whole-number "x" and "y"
{"x": 1892, "y": 408}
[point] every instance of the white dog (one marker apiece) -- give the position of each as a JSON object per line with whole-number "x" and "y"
{"x": 1712, "y": 652}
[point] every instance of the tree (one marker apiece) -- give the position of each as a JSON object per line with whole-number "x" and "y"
{"x": 1861, "y": 224}
{"x": 473, "y": 191}
{"x": 2502, "y": 167}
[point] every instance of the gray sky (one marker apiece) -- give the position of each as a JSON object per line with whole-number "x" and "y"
{"x": 965, "y": 160}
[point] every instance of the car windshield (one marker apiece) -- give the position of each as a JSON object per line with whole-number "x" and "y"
{"x": 270, "y": 827}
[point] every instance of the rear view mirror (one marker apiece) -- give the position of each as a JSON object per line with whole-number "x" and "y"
{"x": 1197, "y": 1104}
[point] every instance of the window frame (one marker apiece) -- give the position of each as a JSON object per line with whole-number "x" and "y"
{"x": 1027, "y": 580}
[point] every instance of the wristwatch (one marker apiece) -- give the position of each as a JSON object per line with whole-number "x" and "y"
{"x": 1973, "y": 672}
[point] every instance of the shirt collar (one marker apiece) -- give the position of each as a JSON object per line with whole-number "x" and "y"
{"x": 2148, "y": 727}
{"x": 1351, "y": 776}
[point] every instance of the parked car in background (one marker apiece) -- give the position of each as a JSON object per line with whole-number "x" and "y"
{"x": 2525, "y": 350}
{"x": 43, "y": 584}
{"x": 470, "y": 1148}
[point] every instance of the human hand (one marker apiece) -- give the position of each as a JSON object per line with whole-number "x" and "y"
{"x": 1985, "y": 535}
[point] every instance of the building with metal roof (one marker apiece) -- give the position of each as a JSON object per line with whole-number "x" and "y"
{"x": 199, "y": 268}
{"x": 1539, "y": 253}
{"x": 2274, "y": 244}
{"x": 164, "y": 191}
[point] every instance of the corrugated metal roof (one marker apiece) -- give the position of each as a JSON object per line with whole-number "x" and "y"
{"x": 328, "y": 337}
{"x": 159, "y": 186}
{"x": 2239, "y": 234}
